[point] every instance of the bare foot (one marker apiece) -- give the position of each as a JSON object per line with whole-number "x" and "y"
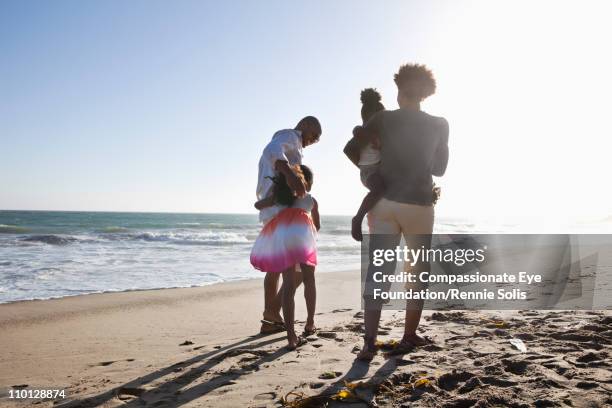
{"x": 309, "y": 329}
{"x": 413, "y": 340}
{"x": 295, "y": 341}
{"x": 356, "y": 229}
{"x": 366, "y": 354}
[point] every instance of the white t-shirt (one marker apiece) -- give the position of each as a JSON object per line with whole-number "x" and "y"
{"x": 285, "y": 145}
{"x": 306, "y": 203}
{"x": 369, "y": 155}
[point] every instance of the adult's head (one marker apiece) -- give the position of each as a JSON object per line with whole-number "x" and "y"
{"x": 370, "y": 100}
{"x": 311, "y": 130}
{"x": 415, "y": 82}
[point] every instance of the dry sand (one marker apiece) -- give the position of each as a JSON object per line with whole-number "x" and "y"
{"x": 124, "y": 349}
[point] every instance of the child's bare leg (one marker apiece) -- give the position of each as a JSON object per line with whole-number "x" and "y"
{"x": 288, "y": 290}
{"x": 279, "y": 295}
{"x": 377, "y": 189}
{"x": 272, "y": 304}
{"x": 310, "y": 294}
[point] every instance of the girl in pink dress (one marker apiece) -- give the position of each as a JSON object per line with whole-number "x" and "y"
{"x": 289, "y": 240}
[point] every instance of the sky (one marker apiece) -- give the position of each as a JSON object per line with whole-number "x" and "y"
{"x": 166, "y": 106}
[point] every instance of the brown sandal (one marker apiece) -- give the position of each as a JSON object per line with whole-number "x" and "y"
{"x": 270, "y": 327}
{"x": 300, "y": 342}
{"x": 366, "y": 354}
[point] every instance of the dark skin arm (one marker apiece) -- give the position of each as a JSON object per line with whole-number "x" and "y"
{"x": 264, "y": 203}
{"x": 361, "y": 138}
{"x": 316, "y": 220}
{"x": 441, "y": 155}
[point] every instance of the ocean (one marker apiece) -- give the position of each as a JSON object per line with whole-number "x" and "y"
{"x": 49, "y": 254}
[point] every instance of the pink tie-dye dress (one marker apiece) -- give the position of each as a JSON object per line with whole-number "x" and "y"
{"x": 287, "y": 239}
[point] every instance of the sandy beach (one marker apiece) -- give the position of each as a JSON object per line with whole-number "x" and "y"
{"x": 199, "y": 347}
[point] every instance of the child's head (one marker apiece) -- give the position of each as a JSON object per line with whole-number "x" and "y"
{"x": 308, "y": 176}
{"x": 283, "y": 194}
{"x": 370, "y": 99}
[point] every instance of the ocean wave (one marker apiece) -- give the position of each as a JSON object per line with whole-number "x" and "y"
{"x": 113, "y": 230}
{"x": 337, "y": 231}
{"x": 13, "y": 229}
{"x": 219, "y": 225}
{"x": 50, "y": 239}
{"x": 203, "y": 238}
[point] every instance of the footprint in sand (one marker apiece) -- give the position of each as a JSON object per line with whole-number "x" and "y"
{"x": 470, "y": 385}
{"x": 592, "y": 357}
{"x": 587, "y": 385}
{"x": 450, "y": 381}
{"x": 316, "y": 345}
{"x": 126, "y": 393}
{"x": 498, "y": 382}
{"x": 267, "y": 396}
{"x": 515, "y": 367}
{"x": 327, "y": 334}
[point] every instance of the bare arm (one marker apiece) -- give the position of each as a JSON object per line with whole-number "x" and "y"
{"x": 264, "y": 203}
{"x": 361, "y": 137}
{"x": 316, "y": 220}
{"x": 294, "y": 182}
{"x": 441, "y": 156}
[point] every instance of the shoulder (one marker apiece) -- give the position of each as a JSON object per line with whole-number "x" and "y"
{"x": 287, "y": 135}
{"x": 375, "y": 123}
{"x": 439, "y": 125}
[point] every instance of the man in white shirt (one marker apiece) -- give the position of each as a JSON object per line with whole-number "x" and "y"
{"x": 283, "y": 151}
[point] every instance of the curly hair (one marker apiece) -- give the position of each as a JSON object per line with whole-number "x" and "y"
{"x": 370, "y": 99}
{"x": 415, "y": 80}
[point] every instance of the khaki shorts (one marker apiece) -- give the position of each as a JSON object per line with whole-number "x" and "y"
{"x": 391, "y": 217}
{"x": 412, "y": 221}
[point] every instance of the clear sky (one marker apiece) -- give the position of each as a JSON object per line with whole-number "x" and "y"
{"x": 166, "y": 105}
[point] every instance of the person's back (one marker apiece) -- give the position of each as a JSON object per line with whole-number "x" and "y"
{"x": 413, "y": 147}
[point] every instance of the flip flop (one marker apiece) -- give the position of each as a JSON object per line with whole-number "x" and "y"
{"x": 270, "y": 327}
{"x": 366, "y": 355}
{"x": 300, "y": 342}
{"x": 310, "y": 332}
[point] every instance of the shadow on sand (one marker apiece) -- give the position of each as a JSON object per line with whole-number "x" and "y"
{"x": 173, "y": 392}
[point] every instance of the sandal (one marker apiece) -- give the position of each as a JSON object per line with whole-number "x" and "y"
{"x": 366, "y": 355}
{"x": 310, "y": 332}
{"x": 270, "y": 327}
{"x": 300, "y": 342}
